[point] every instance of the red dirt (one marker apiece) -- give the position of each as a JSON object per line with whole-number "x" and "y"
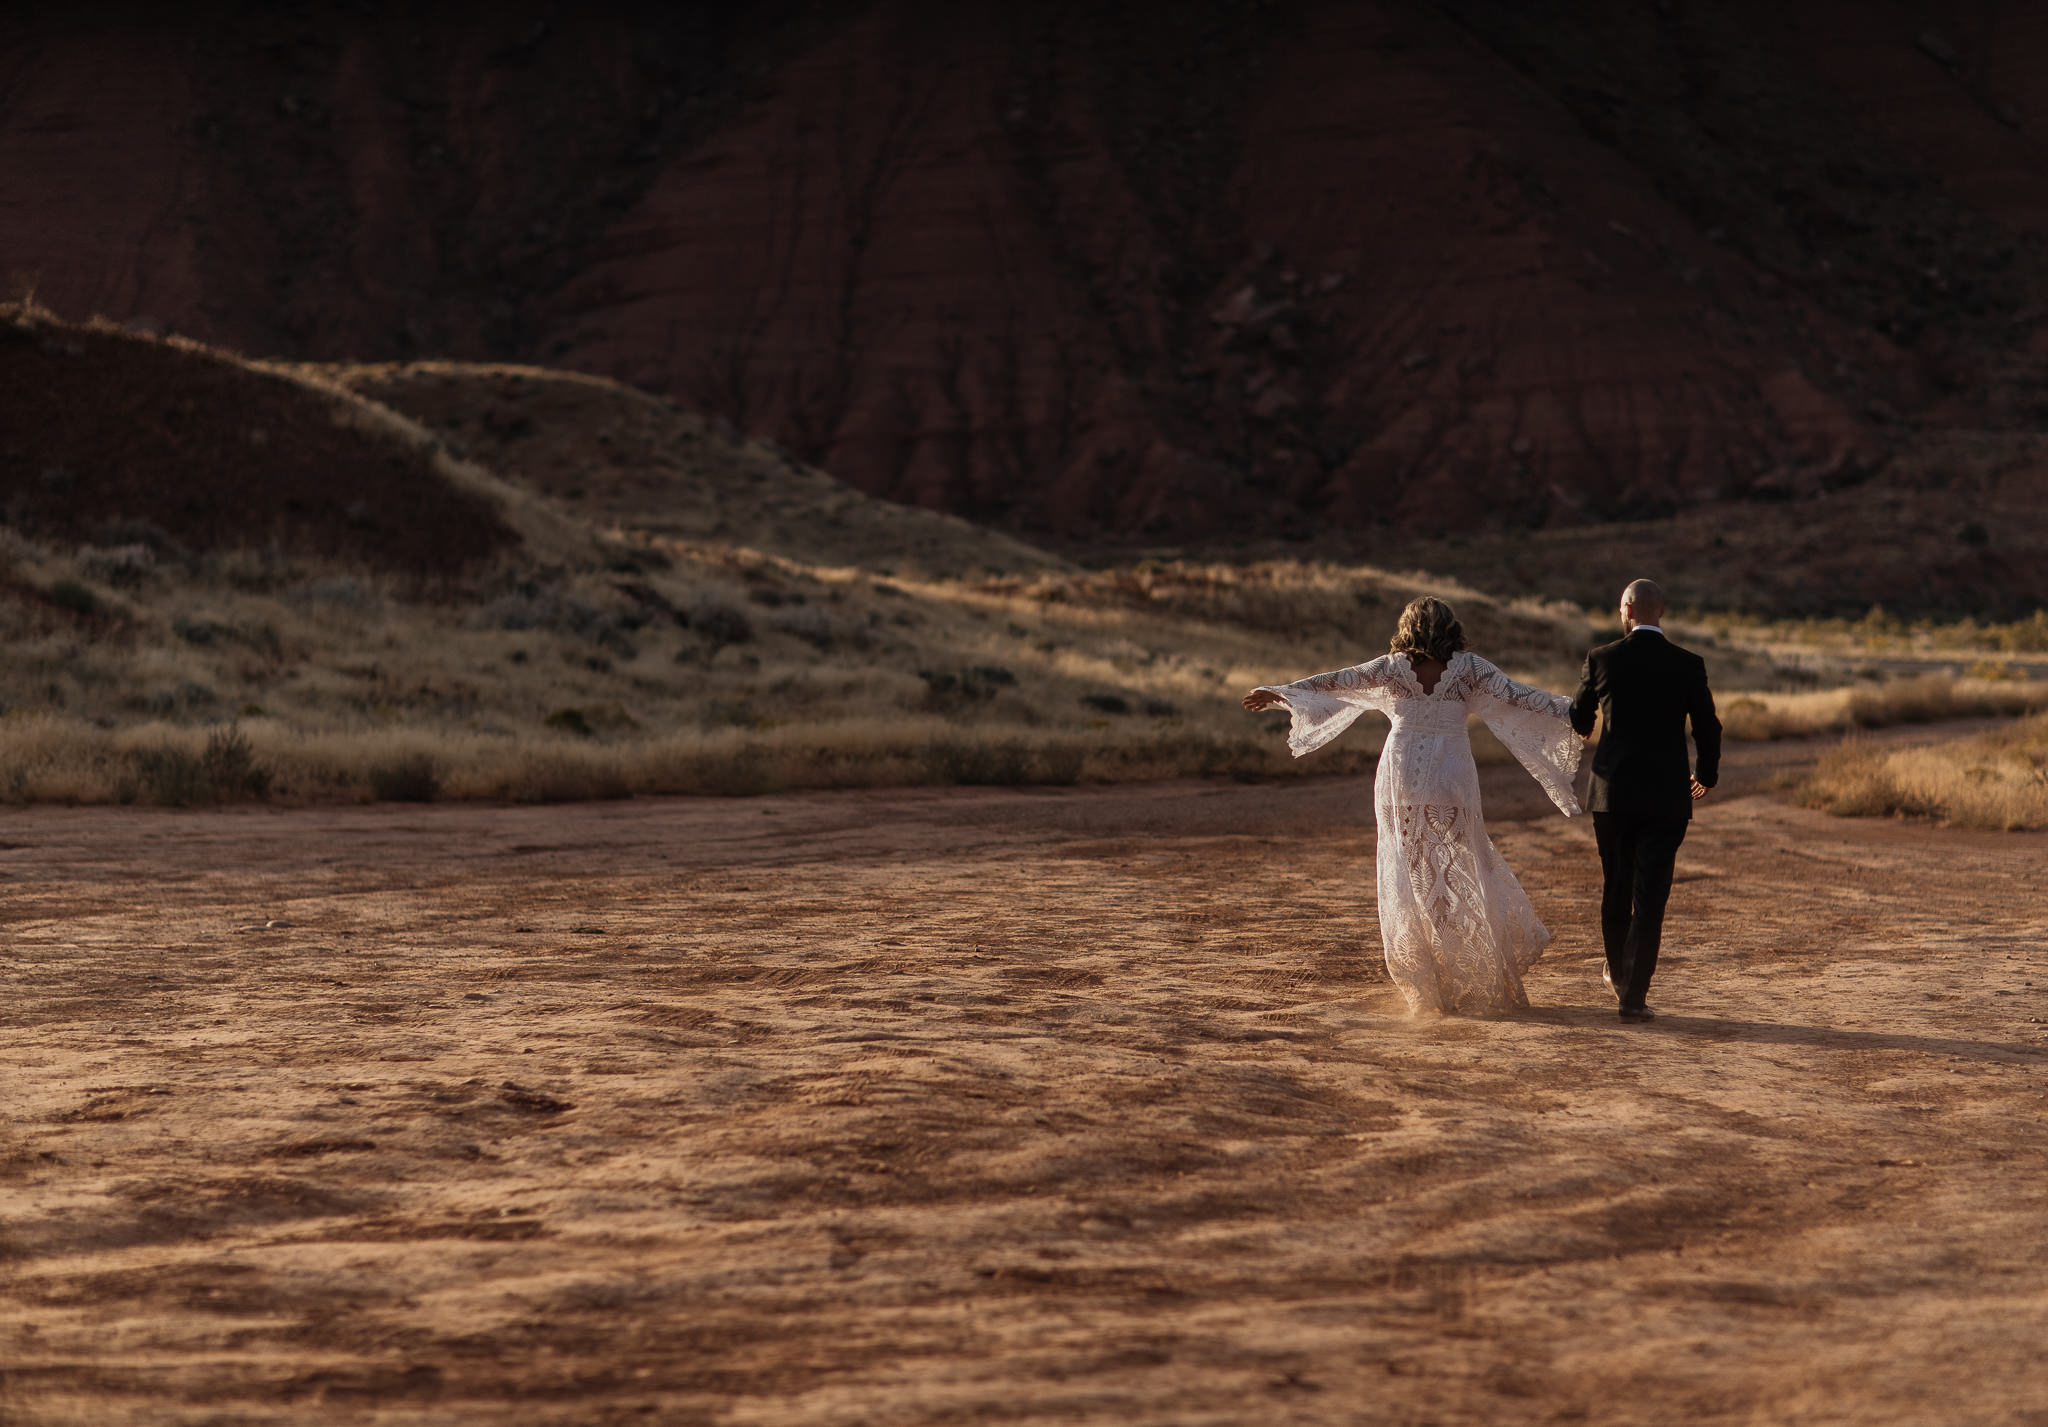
{"x": 111, "y": 437}
{"x": 1071, "y": 1106}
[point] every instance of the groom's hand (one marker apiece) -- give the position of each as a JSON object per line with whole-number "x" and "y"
{"x": 1699, "y": 790}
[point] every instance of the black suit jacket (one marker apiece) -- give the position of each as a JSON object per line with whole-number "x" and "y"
{"x": 1644, "y": 688}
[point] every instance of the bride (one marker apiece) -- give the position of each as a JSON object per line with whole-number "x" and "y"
{"x": 1458, "y": 929}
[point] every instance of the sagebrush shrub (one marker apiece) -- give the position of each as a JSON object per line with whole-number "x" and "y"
{"x": 414, "y": 778}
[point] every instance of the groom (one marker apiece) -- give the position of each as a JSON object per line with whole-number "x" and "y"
{"x": 1644, "y": 688}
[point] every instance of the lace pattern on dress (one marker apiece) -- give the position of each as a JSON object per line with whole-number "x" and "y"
{"x": 1535, "y": 725}
{"x": 1458, "y": 930}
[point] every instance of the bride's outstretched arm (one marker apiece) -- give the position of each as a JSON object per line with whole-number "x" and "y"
{"x": 1324, "y": 705}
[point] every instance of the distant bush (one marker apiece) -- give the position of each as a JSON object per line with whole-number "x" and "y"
{"x": 2028, "y": 636}
{"x": 197, "y": 631}
{"x": 226, "y": 771}
{"x": 117, "y": 564}
{"x": 69, "y": 594}
{"x": 533, "y": 608}
{"x": 746, "y": 774}
{"x": 254, "y": 571}
{"x": 173, "y": 776}
{"x": 949, "y": 689}
{"x": 994, "y": 764}
{"x": 413, "y": 778}
{"x": 231, "y": 763}
{"x": 536, "y": 607}
{"x": 190, "y": 696}
{"x": 810, "y": 624}
{"x": 555, "y": 783}
{"x": 1005, "y": 764}
{"x": 146, "y": 533}
{"x": 342, "y": 592}
{"x": 590, "y": 720}
{"x": 719, "y": 622}
{"x": 732, "y": 713}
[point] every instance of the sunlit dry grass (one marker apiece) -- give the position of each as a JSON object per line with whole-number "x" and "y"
{"x": 1881, "y": 632}
{"x": 659, "y": 666}
{"x": 1996, "y": 780}
{"x": 52, "y": 759}
{"x": 673, "y": 668}
{"x": 1759, "y": 716}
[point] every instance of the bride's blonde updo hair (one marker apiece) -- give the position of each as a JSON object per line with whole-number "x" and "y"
{"x": 1429, "y": 629}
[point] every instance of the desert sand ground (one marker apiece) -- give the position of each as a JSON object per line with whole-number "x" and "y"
{"x": 1083, "y": 1105}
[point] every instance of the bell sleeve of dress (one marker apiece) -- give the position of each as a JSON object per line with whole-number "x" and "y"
{"x": 1536, "y": 726}
{"x": 1324, "y": 705}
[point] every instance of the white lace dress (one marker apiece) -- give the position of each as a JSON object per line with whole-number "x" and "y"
{"x": 1458, "y": 929}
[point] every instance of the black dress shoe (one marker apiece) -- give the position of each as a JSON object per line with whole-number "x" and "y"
{"x": 1638, "y": 1013}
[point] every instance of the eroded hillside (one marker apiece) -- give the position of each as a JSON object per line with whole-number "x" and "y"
{"x": 1179, "y": 273}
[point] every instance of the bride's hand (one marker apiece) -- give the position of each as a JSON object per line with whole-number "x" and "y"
{"x": 1259, "y": 699}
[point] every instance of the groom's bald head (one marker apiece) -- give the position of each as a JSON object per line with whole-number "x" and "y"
{"x": 1642, "y": 602}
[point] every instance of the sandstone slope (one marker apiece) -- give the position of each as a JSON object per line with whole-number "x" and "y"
{"x": 634, "y": 464}
{"x": 107, "y": 437}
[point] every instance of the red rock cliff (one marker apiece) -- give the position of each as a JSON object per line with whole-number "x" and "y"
{"x": 1185, "y": 271}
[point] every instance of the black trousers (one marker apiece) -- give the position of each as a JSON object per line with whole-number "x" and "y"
{"x": 1637, "y": 853}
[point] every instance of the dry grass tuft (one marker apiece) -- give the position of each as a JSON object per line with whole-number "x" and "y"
{"x": 1997, "y": 780}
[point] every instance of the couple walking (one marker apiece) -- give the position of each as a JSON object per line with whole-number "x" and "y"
{"x": 1458, "y": 929}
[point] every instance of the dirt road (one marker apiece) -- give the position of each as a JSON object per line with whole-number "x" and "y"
{"x": 1053, "y": 1106}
